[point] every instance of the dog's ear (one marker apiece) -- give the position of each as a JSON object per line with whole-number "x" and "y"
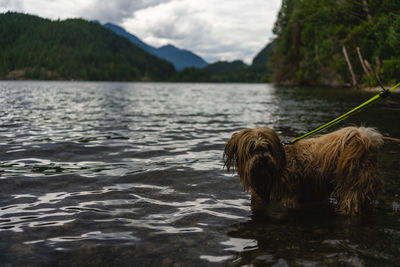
{"x": 237, "y": 154}
{"x": 230, "y": 152}
{"x": 236, "y": 151}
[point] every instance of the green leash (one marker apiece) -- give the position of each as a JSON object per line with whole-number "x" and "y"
{"x": 384, "y": 93}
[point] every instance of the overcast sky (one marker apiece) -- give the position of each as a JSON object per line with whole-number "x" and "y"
{"x": 215, "y": 30}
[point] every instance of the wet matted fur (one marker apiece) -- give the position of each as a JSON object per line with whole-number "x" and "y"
{"x": 341, "y": 164}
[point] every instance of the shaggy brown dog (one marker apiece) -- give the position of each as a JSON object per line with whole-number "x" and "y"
{"x": 342, "y": 165}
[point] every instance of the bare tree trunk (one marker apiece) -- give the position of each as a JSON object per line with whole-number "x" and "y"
{"x": 362, "y": 62}
{"x": 378, "y": 64}
{"x": 378, "y": 79}
{"x": 369, "y": 66}
{"x": 353, "y": 76}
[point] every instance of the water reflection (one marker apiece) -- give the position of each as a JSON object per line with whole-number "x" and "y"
{"x": 309, "y": 238}
{"x": 123, "y": 173}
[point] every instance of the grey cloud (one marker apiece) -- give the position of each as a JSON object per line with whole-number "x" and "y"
{"x": 13, "y": 5}
{"x": 118, "y": 10}
{"x": 182, "y": 26}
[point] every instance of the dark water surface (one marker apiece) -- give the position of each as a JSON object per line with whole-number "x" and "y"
{"x": 130, "y": 174}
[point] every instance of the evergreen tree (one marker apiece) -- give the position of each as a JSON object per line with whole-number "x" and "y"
{"x": 311, "y": 35}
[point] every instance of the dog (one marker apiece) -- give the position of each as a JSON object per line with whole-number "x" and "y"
{"x": 340, "y": 165}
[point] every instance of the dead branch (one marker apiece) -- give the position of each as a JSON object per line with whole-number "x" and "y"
{"x": 353, "y": 76}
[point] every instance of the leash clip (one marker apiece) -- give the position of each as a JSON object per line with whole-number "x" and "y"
{"x": 285, "y": 143}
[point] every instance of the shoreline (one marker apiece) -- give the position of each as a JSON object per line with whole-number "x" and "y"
{"x": 372, "y": 89}
{"x": 377, "y": 89}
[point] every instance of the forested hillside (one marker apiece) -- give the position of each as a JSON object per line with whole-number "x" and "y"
{"x": 234, "y": 71}
{"x": 314, "y": 35}
{"x": 37, "y": 48}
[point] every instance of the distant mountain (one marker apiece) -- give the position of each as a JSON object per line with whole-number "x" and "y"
{"x": 121, "y": 31}
{"x": 36, "y": 48}
{"x": 223, "y": 67}
{"x": 234, "y": 71}
{"x": 180, "y": 58}
{"x": 221, "y": 71}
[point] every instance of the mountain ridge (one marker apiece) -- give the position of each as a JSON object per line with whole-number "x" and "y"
{"x": 180, "y": 58}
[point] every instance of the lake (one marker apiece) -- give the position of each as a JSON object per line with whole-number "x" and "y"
{"x": 131, "y": 174}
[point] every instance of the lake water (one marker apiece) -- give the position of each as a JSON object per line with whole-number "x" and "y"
{"x": 130, "y": 174}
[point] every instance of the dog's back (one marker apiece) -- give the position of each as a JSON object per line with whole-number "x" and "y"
{"x": 347, "y": 161}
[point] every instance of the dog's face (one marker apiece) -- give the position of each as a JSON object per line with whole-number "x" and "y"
{"x": 257, "y": 155}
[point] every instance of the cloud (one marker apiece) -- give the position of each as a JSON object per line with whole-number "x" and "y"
{"x": 103, "y": 10}
{"x": 13, "y": 5}
{"x": 116, "y": 10}
{"x": 215, "y": 30}
{"x": 56, "y": 9}
{"x": 175, "y": 21}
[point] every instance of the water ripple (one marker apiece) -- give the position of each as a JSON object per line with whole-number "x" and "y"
{"x": 117, "y": 173}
